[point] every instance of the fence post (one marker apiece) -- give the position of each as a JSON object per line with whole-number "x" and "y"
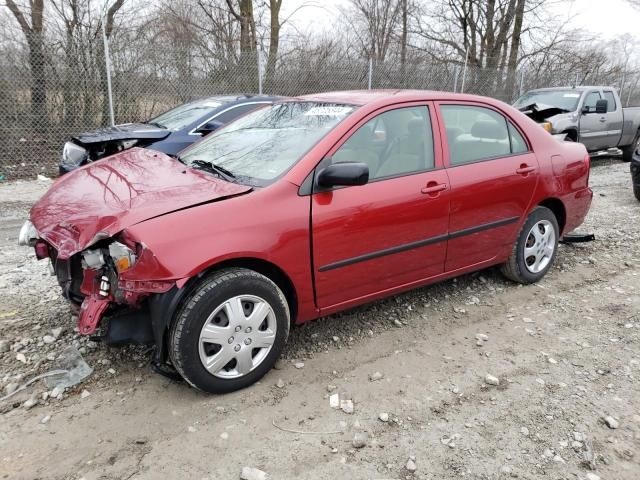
{"x": 521, "y": 89}
{"x": 464, "y": 71}
{"x": 455, "y": 78}
{"x": 107, "y": 64}
{"x": 370, "y": 72}
{"x": 259, "y": 72}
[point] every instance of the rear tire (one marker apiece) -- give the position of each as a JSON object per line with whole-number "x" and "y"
{"x": 230, "y": 331}
{"x": 636, "y": 192}
{"x": 535, "y": 249}
{"x": 627, "y": 152}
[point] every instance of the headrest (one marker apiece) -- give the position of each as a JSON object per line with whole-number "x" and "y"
{"x": 489, "y": 129}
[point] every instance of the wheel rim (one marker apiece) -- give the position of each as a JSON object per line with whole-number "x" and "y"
{"x": 539, "y": 246}
{"x": 237, "y": 336}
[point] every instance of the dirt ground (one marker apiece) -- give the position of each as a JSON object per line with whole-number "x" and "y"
{"x": 566, "y": 352}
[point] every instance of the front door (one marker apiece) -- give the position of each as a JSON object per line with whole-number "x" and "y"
{"x": 392, "y": 231}
{"x": 493, "y": 174}
{"x": 593, "y": 128}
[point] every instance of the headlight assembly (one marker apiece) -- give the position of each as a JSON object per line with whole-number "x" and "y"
{"x": 123, "y": 257}
{"x": 28, "y": 235}
{"x": 73, "y": 155}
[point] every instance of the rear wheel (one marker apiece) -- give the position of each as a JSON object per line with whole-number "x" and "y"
{"x": 535, "y": 249}
{"x": 230, "y": 332}
{"x": 627, "y": 152}
{"x": 636, "y": 192}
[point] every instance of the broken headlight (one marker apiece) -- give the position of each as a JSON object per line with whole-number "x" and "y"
{"x": 73, "y": 155}
{"x": 28, "y": 235}
{"x": 122, "y": 257}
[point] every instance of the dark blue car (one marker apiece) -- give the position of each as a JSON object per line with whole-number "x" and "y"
{"x": 168, "y": 133}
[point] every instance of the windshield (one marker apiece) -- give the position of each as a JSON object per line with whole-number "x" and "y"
{"x": 564, "y": 99}
{"x": 262, "y": 145}
{"x": 184, "y": 115}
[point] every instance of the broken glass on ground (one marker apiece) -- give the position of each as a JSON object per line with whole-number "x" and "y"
{"x": 73, "y": 370}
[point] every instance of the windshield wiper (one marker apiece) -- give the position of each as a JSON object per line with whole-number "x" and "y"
{"x": 213, "y": 168}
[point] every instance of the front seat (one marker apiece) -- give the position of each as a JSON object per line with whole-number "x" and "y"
{"x": 409, "y": 152}
{"x": 359, "y": 148}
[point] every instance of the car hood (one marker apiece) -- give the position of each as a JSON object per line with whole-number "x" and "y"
{"x": 103, "y": 198}
{"x": 125, "y": 131}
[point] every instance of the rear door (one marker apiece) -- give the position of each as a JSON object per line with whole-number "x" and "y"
{"x": 493, "y": 174}
{"x": 593, "y": 128}
{"x": 392, "y": 231}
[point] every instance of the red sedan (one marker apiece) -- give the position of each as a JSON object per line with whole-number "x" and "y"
{"x": 298, "y": 210}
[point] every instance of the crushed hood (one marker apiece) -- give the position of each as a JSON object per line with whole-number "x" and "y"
{"x": 540, "y": 113}
{"x": 103, "y": 198}
{"x": 126, "y": 131}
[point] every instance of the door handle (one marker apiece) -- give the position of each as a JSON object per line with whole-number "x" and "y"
{"x": 525, "y": 169}
{"x": 602, "y": 120}
{"x": 433, "y": 187}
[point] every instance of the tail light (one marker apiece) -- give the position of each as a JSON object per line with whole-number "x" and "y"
{"x": 587, "y": 161}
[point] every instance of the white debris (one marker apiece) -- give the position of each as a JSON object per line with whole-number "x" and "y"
{"x": 411, "y": 465}
{"x": 347, "y": 406}
{"x": 611, "y": 422}
{"x": 334, "y": 401}
{"x": 250, "y": 473}
{"x": 360, "y": 440}
{"x": 384, "y": 417}
{"x": 374, "y": 377}
{"x": 491, "y": 380}
{"x": 85, "y": 394}
{"x": 299, "y": 365}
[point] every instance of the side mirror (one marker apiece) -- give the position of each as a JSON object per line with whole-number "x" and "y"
{"x": 602, "y": 106}
{"x": 209, "y": 127}
{"x": 344, "y": 174}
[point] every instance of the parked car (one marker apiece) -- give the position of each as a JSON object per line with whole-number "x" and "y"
{"x": 301, "y": 209}
{"x": 168, "y": 133}
{"x": 635, "y": 174}
{"x": 593, "y": 116}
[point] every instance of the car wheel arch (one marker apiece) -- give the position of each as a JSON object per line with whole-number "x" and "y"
{"x": 558, "y": 209}
{"x": 164, "y": 307}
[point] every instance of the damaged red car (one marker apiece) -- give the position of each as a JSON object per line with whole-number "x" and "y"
{"x": 301, "y": 209}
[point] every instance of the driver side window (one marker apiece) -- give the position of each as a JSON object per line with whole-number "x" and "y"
{"x": 590, "y": 101}
{"x": 394, "y": 143}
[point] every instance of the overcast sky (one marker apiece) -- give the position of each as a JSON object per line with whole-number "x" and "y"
{"x": 608, "y": 18}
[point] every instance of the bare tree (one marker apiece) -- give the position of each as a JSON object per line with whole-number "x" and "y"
{"x": 34, "y": 34}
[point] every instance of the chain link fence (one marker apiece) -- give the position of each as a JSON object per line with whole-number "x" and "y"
{"x": 35, "y": 124}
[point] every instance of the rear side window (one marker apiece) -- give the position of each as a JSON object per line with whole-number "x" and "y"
{"x": 611, "y": 100}
{"x": 518, "y": 144}
{"x": 476, "y": 133}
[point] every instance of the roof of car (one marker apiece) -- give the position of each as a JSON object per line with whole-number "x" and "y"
{"x": 224, "y": 99}
{"x": 365, "y": 97}
{"x": 579, "y": 88}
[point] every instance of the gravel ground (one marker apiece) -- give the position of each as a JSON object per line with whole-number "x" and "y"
{"x": 474, "y": 377}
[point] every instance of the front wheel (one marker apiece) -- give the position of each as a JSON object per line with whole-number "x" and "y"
{"x": 230, "y": 332}
{"x": 535, "y": 249}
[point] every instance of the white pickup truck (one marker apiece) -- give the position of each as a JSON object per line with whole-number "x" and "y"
{"x": 593, "y": 116}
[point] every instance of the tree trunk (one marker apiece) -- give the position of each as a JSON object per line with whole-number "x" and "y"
{"x": 39, "y": 117}
{"x": 274, "y": 43}
{"x": 515, "y": 49}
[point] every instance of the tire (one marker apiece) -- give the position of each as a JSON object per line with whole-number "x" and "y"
{"x": 636, "y": 192}
{"x": 532, "y": 265}
{"x": 237, "y": 348}
{"x": 627, "y": 152}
